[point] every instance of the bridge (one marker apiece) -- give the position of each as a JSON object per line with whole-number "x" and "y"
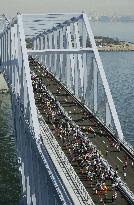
{"x": 69, "y": 141}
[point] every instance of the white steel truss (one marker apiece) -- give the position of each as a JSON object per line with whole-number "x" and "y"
{"x": 73, "y": 63}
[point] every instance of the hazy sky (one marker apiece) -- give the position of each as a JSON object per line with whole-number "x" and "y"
{"x": 93, "y": 7}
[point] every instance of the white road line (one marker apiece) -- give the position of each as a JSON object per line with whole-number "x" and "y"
{"x": 103, "y": 142}
{"x": 119, "y": 159}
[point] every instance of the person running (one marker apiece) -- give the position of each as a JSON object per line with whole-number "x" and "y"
{"x": 125, "y": 175}
{"x": 106, "y": 153}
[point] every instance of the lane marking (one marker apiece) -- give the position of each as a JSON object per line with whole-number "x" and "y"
{"x": 119, "y": 159}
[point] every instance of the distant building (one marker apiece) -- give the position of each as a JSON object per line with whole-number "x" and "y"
{"x": 112, "y": 18}
{"x": 104, "y": 18}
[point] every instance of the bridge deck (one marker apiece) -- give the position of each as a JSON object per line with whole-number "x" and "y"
{"x": 85, "y": 120}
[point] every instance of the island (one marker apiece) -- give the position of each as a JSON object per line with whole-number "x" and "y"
{"x": 111, "y": 44}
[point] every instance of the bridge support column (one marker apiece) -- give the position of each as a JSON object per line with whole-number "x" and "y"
{"x": 30, "y": 178}
{"x": 12, "y": 57}
{"x": 23, "y": 179}
{"x": 61, "y": 55}
{"x": 9, "y": 56}
{"x": 76, "y": 84}
{"x": 4, "y": 54}
{"x": 34, "y": 44}
{"x": 64, "y": 64}
{"x": 80, "y": 63}
{"x": 69, "y": 58}
{"x": 0, "y": 50}
{"x": 45, "y": 47}
{"x": 108, "y": 116}
{"x": 50, "y": 55}
{"x": 41, "y": 47}
{"x": 37, "y": 178}
{"x": 95, "y": 84}
{"x": 25, "y": 158}
{"x": 80, "y": 68}
{"x": 32, "y": 183}
{"x": 6, "y": 44}
{"x": 54, "y": 56}
{"x": 43, "y": 58}
{"x": 72, "y": 57}
{"x": 85, "y": 76}
{"x": 47, "y": 57}
{"x": 1, "y": 47}
{"x": 58, "y": 55}
{"x": 77, "y": 60}
{"x": 37, "y": 43}
{"x": 15, "y": 57}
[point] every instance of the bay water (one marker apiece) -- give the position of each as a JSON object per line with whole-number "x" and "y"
{"x": 9, "y": 176}
{"x": 119, "y": 68}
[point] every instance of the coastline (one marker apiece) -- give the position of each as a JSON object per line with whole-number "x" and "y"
{"x": 110, "y": 44}
{"x": 115, "y": 50}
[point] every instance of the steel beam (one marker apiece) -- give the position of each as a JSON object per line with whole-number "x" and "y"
{"x": 60, "y": 51}
{"x": 104, "y": 79}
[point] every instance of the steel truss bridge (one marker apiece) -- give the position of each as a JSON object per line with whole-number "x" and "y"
{"x": 61, "y": 46}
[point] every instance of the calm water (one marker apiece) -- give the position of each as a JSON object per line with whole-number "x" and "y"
{"x": 119, "y": 67}
{"x": 9, "y": 179}
{"x": 120, "y": 30}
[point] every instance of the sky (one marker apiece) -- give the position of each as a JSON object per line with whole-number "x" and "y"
{"x": 92, "y": 7}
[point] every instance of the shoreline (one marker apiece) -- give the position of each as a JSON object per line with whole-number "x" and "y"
{"x": 114, "y": 50}
{"x": 111, "y": 44}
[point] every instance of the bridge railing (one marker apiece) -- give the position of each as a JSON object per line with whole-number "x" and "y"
{"x": 15, "y": 66}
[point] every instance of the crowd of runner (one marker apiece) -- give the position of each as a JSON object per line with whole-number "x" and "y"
{"x": 81, "y": 151}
